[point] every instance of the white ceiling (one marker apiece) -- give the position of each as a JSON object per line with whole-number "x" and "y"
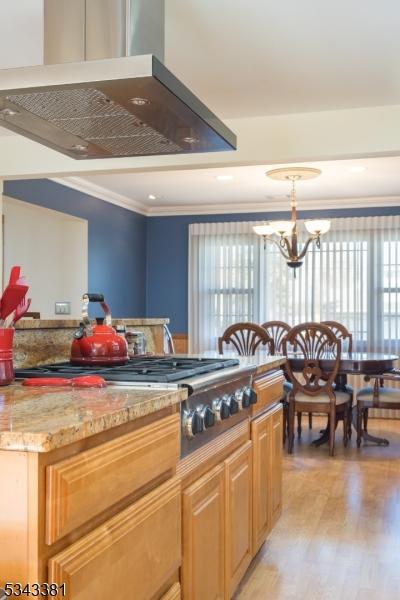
{"x": 198, "y": 191}
{"x": 258, "y": 57}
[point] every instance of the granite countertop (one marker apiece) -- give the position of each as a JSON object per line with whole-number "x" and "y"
{"x": 73, "y": 323}
{"x": 43, "y": 419}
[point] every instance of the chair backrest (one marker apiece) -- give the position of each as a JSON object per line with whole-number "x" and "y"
{"x": 169, "y": 347}
{"x": 246, "y": 338}
{"x": 314, "y": 342}
{"x": 277, "y": 331}
{"x": 342, "y": 333}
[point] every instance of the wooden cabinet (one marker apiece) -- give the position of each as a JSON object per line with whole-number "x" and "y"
{"x": 81, "y": 487}
{"x": 276, "y": 464}
{"x": 269, "y": 389}
{"x": 238, "y": 516}
{"x": 262, "y": 480}
{"x": 204, "y": 537}
{"x": 266, "y": 434}
{"x": 131, "y": 555}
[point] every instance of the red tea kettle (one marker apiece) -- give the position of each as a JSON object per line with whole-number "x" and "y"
{"x": 100, "y": 345}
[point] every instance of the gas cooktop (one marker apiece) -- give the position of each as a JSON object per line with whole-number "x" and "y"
{"x": 159, "y": 370}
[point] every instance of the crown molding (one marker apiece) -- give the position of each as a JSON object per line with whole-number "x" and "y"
{"x": 87, "y": 187}
{"x": 271, "y": 206}
{"x": 267, "y": 206}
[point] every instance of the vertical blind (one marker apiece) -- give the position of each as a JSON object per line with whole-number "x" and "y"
{"x": 354, "y": 278}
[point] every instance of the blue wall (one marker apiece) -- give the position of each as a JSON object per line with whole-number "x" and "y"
{"x": 167, "y": 256}
{"x": 117, "y": 241}
{"x": 139, "y": 263}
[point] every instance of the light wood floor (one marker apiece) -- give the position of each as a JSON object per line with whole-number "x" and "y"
{"x": 339, "y": 534}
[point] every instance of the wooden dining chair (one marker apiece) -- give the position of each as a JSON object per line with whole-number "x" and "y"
{"x": 277, "y": 331}
{"x": 313, "y": 388}
{"x": 376, "y": 396}
{"x": 246, "y": 338}
{"x": 341, "y": 332}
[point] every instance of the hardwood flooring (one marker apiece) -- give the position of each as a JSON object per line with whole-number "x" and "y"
{"x": 339, "y": 534}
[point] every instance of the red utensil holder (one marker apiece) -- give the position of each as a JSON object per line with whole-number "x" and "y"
{"x": 6, "y": 356}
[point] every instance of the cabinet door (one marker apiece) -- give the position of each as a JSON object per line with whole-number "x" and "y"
{"x": 238, "y": 514}
{"x": 276, "y": 467}
{"x": 204, "y": 538}
{"x": 132, "y": 555}
{"x": 262, "y": 480}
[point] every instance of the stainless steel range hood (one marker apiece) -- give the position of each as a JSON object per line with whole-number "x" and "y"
{"x": 104, "y": 91}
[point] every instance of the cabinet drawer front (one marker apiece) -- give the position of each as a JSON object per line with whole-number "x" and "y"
{"x": 269, "y": 390}
{"x": 130, "y": 556}
{"x": 81, "y": 487}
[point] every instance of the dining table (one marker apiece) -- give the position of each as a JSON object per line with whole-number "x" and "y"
{"x": 351, "y": 363}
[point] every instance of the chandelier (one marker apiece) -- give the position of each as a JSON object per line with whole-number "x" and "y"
{"x": 287, "y": 230}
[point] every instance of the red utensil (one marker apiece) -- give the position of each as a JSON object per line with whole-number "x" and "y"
{"x": 21, "y": 309}
{"x": 14, "y": 275}
{"x": 13, "y": 295}
{"x": 76, "y": 382}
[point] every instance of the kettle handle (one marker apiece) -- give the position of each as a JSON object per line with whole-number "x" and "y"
{"x": 95, "y": 298}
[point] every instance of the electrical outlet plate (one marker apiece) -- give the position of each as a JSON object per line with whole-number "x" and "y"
{"x": 63, "y": 308}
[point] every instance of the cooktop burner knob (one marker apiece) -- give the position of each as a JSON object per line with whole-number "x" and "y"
{"x": 207, "y": 415}
{"x": 242, "y": 398}
{"x": 251, "y": 394}
{"x": 221, "y": 409}
{"x": 192, "y": 423}
{"x": 232, "y": 403}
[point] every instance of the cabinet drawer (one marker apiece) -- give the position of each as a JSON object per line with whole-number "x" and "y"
{"x": 81, "y": 487}
{"x": 130, "y": 556}
{"x": 269, "y": 388}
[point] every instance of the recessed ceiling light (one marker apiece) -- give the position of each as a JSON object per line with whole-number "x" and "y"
{"x": 8, "y": 112}
{"x": 152, "y": 197}
{"x": 79, "y": 148}
{"x": 357, "y": 169}
{"x": 224, "y": 177}
{"x": 140, "y": 101}
{"x": 190, "y": 139}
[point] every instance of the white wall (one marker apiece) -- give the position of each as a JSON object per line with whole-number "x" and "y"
{"x": 52, "y": 249}
{"x": 21, "y": 33}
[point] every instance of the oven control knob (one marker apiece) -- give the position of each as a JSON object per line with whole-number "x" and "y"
{"x": 192, "y": 423}
{"x": 207, "y": 415}
{"x": 251, "y": 395}
{"x": 242, "y": 398}
{"x": 232, "y": 403}
{"x": 221, "y": 409}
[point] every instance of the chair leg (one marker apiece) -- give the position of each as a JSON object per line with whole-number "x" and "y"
{"x": 290, "y": 427}
{"x": 359, "y": 425}
{"x": 332, "y": 427}
{"x": 346, "y": 426}
{"x": 299, "y": 424}
{"x": 309, "y": 420}
{"x": 350, "y": 420}
{"x": 365, "y": 419}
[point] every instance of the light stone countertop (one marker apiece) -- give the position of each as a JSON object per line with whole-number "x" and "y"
{"x": 43, "y": 419}
{"x": 73, "y": 323}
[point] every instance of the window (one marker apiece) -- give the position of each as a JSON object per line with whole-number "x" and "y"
{"x": 354, "y": 278}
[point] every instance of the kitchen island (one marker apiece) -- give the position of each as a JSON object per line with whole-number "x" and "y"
{"x": 96, "y": 496}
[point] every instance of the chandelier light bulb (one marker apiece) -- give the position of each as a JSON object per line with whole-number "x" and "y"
{"x": 317, "y": 226}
